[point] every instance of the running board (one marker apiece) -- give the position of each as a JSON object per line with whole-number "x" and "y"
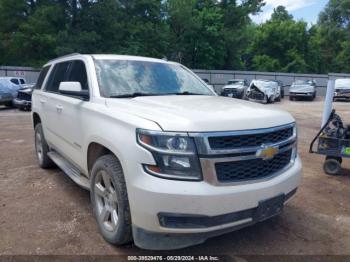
{"x": 69, "y": 170}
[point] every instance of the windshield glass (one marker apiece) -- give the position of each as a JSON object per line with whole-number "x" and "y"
{"x": 124, "y": 77}
{"x": 265, "y": 84}
{"x": 235, "y": 82}
{"x": 342, "y": 83}
{"x": 302, "y": 82}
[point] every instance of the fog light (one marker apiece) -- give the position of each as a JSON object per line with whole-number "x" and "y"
{"x": 176, "y": 162}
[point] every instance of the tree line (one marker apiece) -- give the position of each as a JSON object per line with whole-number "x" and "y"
{"x": 202, "y": 34}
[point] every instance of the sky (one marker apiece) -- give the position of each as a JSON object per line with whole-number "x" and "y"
{"x": 307, "y": 10}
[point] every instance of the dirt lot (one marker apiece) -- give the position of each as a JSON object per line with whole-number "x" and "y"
{"x": 44, "y": 212}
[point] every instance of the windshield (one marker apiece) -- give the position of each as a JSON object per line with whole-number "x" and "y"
{"x": 265, "y": 84}
{"x": 235, "y": 82}
{"x": 302, "y": 82}
{"x": 342, "y": 83}
{"x": 127, "y": 77}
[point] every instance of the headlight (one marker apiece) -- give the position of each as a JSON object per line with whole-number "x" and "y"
{"x": 295, "y": 134}
{"x": 174, "y": 153}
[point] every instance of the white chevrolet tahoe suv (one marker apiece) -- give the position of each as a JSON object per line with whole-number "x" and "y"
{"x": 168, "y": 162}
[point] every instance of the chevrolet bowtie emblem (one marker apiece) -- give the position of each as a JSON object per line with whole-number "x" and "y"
{"x": 267, "y": 152}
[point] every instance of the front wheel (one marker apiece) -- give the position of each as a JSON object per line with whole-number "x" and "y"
{"x": 109, "y": 200}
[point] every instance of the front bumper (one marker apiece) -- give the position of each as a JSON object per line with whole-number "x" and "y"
{"x": 301, "y": 94}
{"x": 4, "y": 100}
{"x": 338, "y": 95}
{"x": 234, "y": 93}
{"x": 227, "y": 208}
{"x": 22, "y": 103}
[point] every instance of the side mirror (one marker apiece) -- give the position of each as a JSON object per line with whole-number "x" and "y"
{"x": 73, "y": 89}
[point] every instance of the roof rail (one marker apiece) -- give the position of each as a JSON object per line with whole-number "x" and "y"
{"x": 72, "y": 54}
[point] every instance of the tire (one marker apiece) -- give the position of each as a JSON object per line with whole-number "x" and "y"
{"x": 339, "y": 159}
{"x": 291, "y": 98}
{"x": 332, "y": 166}
{"x": 41, "y": 148}
{"x": 109, "y": 200}
{"x": 266, "y": 100}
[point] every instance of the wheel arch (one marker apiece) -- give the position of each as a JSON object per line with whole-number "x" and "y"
{"x": 96, "y": 150}
{"x": 36, "y": 119}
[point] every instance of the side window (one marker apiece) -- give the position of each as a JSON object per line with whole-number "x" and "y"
{"x": 78, "y": 74}
{"x": 22, "y": 81}
{"x": 15, "y": 81}
{"x": 41, "y": 77}
{"x": 58, "y": 75}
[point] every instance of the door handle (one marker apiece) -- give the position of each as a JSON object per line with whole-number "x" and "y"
{"x": 59, "y": 108}
{"x": 42, "y": 101}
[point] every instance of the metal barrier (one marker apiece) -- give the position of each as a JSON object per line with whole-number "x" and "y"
{"x": 218, "y": 78}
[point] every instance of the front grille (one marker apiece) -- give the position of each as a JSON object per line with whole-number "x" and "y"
{"x": 228, "y": 172}
{"x": 233, "y": 92}
{"x": 251, "y": 140}
{"x": 24, "y": 96}
{"x": 256, "y": 95}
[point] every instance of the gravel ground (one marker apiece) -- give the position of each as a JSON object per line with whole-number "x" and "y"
{"x": 44, "y": 212}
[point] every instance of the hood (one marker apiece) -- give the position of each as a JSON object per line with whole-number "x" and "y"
{"x": 302, "y": 88}
{"x": 342, "y": 88}
{"x": 201, "y": 113}
{"x": 26, "y": 90}
{"x": 5, "y": 91}
{"x": 269, "y": 91}
{"x": 233, "y": 87}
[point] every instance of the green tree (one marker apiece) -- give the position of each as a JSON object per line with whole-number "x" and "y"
{"x": 281, "y": 14}
{"x": 280, "y": 44}
{"x": 334, "y": 34}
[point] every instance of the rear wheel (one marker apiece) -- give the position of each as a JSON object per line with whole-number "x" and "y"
{"x": 41, "y": 148}
{"x": 332, "y": 166}
{"x": 109, "y": 200}
{"x": 291, "y": 98}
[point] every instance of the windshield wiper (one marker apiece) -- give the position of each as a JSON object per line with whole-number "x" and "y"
{"x": 136, "y": 94}
{"x": 186, "y": 93}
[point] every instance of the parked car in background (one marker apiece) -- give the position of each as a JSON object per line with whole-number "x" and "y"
{"x": 14, "y": 83}
{"x": 303, "y": 89}
{"x": 342, "y": 89}
{"x": 235, "y": 88}
{"x": 23, "y": 101}
{"x": 264, "y": 91}
{"x": 6, "y": 94}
